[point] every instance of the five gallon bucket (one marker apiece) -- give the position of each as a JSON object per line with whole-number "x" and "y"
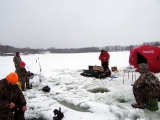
{"x": 152, "y": 104}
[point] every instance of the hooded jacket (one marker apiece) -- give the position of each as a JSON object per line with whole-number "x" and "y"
{"x": 10, "y": 93}
{"x": 22, "y": 72}
{"x": 17, "y": 60}
{"x": 104, "y": 57}
{"x": 147, "y": 80}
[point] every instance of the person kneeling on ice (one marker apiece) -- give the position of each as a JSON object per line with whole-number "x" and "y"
{"x": 11, "y": 99}
{"x": 146, "y": 86}
{"x": 23, "y": 75}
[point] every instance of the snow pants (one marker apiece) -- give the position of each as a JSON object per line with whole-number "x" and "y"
{"x": 24, "y": 82}
{"x": 105, "y": 65}
{"x": 141, "y": 94}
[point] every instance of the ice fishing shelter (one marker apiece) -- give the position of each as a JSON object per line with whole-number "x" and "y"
{"x": 146, "y": 54}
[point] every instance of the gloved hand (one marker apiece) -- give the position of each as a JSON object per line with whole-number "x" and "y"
{"x": 11, "y": 105}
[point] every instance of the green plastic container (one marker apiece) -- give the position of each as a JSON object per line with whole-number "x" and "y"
{"x": 152, "y": 104}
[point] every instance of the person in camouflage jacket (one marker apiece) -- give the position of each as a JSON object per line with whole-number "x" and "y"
{"x": 146, "y": 86}
{"x": 23, "y": 76}
{"x": 11, "y": 97}
{"x": 17, "y": 60}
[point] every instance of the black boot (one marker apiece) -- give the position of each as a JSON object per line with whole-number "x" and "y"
{"x": 27, "y": 84}
{"x": 28, "y": 87}
{"x": 23, "y": 89}
{"x": 23, "y": 86}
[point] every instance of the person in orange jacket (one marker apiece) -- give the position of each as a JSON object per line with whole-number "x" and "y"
{"x": 104, "y": 58}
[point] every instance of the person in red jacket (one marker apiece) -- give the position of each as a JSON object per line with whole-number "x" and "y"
{"x": 104, "y": 58}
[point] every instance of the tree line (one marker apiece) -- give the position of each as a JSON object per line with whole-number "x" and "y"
{"x": 10, "y": 50}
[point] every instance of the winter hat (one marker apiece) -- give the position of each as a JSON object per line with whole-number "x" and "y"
{"x": 17, "y": 53}
{"x": 22, "y": 64}
{"x": 102, "y": 51}
{"x": 12, "y": 78}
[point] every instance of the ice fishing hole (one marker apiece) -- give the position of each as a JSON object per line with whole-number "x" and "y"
{"x": 121, "y": 100}
{"x": 98, "y": 90}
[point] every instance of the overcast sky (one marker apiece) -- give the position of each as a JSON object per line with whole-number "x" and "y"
{"x": 78, "y": 23}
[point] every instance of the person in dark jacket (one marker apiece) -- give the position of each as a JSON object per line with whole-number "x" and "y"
{"x": 23, "y": 75}
{"x": 11, "y": 99}
{"x": 104, "y": 58}
{"x": 17, "y": 60}
{"x": 146, "y": 86}
{"x": 107, "y": 73}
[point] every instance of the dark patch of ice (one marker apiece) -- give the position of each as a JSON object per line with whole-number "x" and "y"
{"x": 98, "y": 90}
{"x": 73, "y": 107}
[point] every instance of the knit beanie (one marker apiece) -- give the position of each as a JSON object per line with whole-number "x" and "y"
{"x": 12, "y": 78}
{"x": 22, "y": 64}
{"x": 102, "y": 51}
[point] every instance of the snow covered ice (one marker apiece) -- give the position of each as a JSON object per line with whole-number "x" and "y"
{"x": 80, "y": 98}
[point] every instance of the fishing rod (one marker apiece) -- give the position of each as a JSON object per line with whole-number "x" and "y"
{"x": 40, "y": 80}
{"x": 39, "y": 64}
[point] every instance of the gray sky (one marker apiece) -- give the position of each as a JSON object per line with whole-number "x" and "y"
{"x": 78, "y": 23}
